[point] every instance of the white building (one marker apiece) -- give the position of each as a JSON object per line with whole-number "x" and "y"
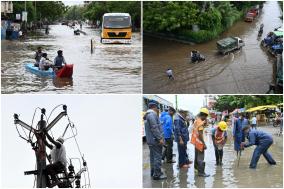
{"x": 6, "y": 7}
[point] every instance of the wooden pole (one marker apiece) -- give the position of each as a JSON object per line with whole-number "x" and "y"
{"x": 92, "y": 46}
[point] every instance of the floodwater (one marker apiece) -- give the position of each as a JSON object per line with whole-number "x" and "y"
{"x": 249, "y": 70}
{"x": 110, "y": 69}
{"x": 227, "y": 176}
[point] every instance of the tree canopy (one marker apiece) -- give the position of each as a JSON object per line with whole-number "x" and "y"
{"x": 178, "y": 17}
{"x": 39, "y": 10}
{"x": 96, "y": 9}
{"x": 231, "y": 102}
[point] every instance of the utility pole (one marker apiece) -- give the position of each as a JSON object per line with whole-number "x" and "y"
{"x": 41, "y": 153}
{"x": 39, "y": 147}
{"x": 176, "y": 102}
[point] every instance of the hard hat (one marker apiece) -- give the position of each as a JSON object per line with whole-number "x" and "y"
{"x": 223, "y": 125}
{"x": 204, "y": 110}
{"x": 61, "y": 140}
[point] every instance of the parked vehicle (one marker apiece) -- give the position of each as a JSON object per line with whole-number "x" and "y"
{"x": 229, "y": 44}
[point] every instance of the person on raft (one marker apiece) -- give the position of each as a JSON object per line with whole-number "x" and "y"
{"x": 43, "y": 63}
{"x": 38, "y": 56}
{"x": 59, "y": 60}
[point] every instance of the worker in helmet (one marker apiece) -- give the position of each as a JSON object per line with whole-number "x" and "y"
{"x": 219, "y": 138}
{"x": 58, "y": 159}
{"x": 263, "y": 141}
{"x": 198, "y": 141}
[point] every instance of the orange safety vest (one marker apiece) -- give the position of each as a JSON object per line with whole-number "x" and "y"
{"x": 219, "y": 137}
{"x": 195, "y": 135}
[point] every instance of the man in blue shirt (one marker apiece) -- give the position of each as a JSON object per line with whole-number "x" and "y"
{"x": 262, "y": 141}
{"x": 181, "y": 138}
{"x": 167, "y": 122}
{"x": 240, "y": 123}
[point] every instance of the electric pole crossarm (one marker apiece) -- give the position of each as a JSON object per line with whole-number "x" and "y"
{"x": 23, "y": 124}
{"x": 62, "y": 114}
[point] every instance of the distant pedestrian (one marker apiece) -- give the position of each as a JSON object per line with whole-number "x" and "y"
{"x": 170, "y": 74}
{"x": 219, "y": 138}
{"x": 181, "y": 138}
{"x": 197, "y": 140}
{"x": 253, "y": 122}
{"x": 262, "y": 141}
{"x": 155, "y": 140}
{"x": 167, "y": 122}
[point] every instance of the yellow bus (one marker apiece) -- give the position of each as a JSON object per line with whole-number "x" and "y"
{"x": 116, "y": 28}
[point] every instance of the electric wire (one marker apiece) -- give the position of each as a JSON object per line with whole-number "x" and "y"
{"x": 74, "y": 134}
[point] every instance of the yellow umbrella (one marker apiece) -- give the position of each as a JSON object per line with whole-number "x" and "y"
{"x": 259, "y": 108}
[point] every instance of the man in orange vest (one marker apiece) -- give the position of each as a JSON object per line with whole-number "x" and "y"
{"x": 198, "y": 142}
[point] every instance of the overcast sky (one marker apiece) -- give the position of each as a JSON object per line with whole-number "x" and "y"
{"x": 70, "y": 3}
{"x": 190, "y": 102}
{"x": 109, "y": 135}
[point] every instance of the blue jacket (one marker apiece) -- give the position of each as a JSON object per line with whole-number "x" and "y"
{"x": 181, "y": 129}
{"x": 167, "y": 123}
{"x": 153, "y": 128}
{"x": 239, "y": 124}
{"x": 257, "y": 137}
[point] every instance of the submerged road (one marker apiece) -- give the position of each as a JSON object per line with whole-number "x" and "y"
{"x": 110, "y": 69}
{"x": 249, "y": 70}
{"x": 226, "y": 176}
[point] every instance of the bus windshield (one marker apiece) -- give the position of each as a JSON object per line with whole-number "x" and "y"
{"x": 117, "y": 22}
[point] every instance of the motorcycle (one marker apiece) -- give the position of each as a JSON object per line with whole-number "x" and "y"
{"x": 276, "y": 122}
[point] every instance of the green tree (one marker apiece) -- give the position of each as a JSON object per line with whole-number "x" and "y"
{"x": 231, "y": 102}
{"x": 95, "y": 10}
{"x": 39, "y": 10}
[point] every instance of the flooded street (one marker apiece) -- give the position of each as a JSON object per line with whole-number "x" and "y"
{"x": 110, "y": 69}
{"x": 229, "y": 175}
{"x": 249, "y": 70}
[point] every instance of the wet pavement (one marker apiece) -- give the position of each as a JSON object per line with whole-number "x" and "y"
{"x": 228, "y": 175}
{"x": 249, "y": 70}
{"x": 110, "y": 69}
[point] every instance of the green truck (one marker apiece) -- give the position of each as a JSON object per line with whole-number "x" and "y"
{"x": 229, "y": 44}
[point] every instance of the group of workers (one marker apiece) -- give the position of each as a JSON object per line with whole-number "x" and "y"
{"x": 174, "y": 125}
{"x": 43, "y": 62}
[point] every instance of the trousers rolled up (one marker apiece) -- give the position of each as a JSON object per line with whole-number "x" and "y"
{"x": 262, "y": 149}
{"x": 156, "y": 160}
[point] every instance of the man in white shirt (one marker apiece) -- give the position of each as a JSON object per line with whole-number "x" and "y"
{"x": 170, "y": 74}
{"x": 43, "y": 63}
{"x": 58, "y": 158}
{"x": 253, "y": 122}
